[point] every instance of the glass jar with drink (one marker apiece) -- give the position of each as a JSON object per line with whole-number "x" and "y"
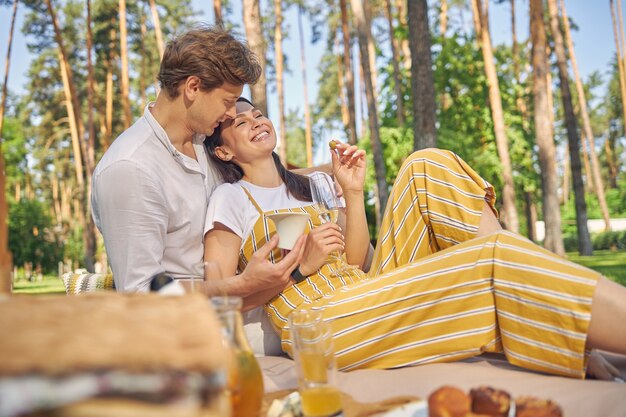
{"x": 245, "y": 380}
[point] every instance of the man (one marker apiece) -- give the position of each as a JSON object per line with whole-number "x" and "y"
{"x": 152, "y": 186}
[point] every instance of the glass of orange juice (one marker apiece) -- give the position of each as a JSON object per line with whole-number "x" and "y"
{"x": 315, "y": 364}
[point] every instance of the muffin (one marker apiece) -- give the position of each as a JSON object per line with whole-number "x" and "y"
{"x": 448, "y": 401}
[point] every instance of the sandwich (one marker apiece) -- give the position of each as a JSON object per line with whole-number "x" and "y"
{"x": 111, "y": 354}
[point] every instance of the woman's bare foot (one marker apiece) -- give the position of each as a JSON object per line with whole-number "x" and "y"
{"x": 599, "y": 368}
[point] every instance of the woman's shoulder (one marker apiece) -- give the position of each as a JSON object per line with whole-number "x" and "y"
{"x": 228, "y": 192}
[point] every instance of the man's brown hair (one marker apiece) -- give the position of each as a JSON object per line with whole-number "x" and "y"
{"x": 212, "y": 54}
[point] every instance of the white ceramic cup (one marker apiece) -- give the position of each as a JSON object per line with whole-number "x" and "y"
{"x": 289, "y": 227}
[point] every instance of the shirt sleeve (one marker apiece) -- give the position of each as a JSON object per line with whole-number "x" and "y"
{"x": 130, "y": 210}
{"x": 228, "y": 205}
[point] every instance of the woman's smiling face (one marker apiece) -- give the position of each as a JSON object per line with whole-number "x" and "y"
{"x": 249, "y": 135}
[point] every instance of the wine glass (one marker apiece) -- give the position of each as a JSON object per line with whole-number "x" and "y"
{"x": 325, "y": 200}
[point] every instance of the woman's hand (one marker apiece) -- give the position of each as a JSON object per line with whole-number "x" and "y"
{"x": 320, "y": 242}
{"x": 349, "y": 163}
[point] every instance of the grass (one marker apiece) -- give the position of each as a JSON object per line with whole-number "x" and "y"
{"x": 610, "y": 264}
{"x": 48, "y": 285}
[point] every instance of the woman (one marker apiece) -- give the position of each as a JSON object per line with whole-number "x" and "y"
{"x": 445, "y": 283}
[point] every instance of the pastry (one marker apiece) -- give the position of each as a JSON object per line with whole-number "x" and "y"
{"x": 535, "y": 407}
{"x": 448, "y": 401}
{"x": 490, "y": 401}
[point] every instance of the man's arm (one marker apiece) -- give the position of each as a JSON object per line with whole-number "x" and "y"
{"x": 325, "y": 168}
{"x": 261, "y": 280}
{"x": 129, "y": 209}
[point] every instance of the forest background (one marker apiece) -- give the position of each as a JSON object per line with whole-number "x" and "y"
{"x": 496, "y": 82}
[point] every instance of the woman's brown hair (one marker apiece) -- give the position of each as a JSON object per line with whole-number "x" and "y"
{"x": 297, "y": 185}
{"x": 212, "y": 54}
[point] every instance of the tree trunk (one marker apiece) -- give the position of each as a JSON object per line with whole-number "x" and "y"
{"x": 157, "y": 28}
{"x": 79, "y": 148}
{"x": 254, "y": 34}
{"x": 142, "y": 60}
{"x": 108, "y": 107}
{"x": 543, "y": 131}
{"x": 515, "y": 47}
{"x": 582, "y": 102}
{"x": 443, "y": 18}
{"x": 89, "y": 233}
{"x": 308, "y": 129}
{"x": 395, "y": 61}
{"x": 422, "y": 83}
{"x": 610, "y": 157}
{"x": 370, "y": 44}
{"x": 362, "y": 101}
{"x": 531, "y": 215}
{"x": 349, "y": 73}
{"x": 124, "y": 58}
{"x": 566, "y": 177}
{"x": 5, "y": 85}
{"x": 509, "y": 210}
{"x": 519, "y": 99}
{"x": 620, "y": 63}
{"x": 6, "y": 259}
{"x": 71, "y": 101}
{"x": 401, "y": 7}
{"x": 377, "y": 151}
{"x": 278, "y": 47}
{"x": 584, "y": 241}
{"x": 217, "y": 12}
{"x": 345, "y": 113}
{"x": 621, "y": 32}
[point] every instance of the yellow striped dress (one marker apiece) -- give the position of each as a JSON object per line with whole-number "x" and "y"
{"x": 435, "y": 293}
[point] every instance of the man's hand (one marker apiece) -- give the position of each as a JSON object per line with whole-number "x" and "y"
{"x": 321, "y": 241}
{"x": 261, "y": 274}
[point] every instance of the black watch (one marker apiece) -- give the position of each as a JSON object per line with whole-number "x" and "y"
{"x": 297, "y": 275}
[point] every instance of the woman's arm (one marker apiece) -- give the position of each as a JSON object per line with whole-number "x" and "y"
{"x": 349, "y": 165}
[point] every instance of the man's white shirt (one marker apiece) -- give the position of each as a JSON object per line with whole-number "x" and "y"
{"x": 150, "y": 201}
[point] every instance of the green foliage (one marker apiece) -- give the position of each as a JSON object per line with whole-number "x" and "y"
{"x": 296, "y": 141}
{"x": 611, "y": 264}
{"x": 31, "y": 238}
{"x": 14, "y": 152}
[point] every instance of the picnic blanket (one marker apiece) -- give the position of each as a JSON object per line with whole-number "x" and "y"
{"x": 578, "y": 398}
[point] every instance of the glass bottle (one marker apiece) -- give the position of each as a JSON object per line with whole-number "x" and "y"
{"x": 245, "y": 377}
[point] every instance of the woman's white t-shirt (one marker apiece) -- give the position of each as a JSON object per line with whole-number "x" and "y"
{"x": 230, "y": 206}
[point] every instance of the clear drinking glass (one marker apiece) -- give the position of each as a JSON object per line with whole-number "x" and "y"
{"x": 325, "y": 199}
{"x": 315, "y": 364}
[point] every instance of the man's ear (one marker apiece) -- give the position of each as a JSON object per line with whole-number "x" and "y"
{"x": 192, "y": 86}
{"x": 223, "y": 154}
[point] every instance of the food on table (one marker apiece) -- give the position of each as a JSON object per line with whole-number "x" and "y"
{"x": 448, "y": 401}
{"x": 485, "y": 401}
{"x": 535, "y": 407}
{"x": 111, "y": 354}
{"x": 490, "y": 401}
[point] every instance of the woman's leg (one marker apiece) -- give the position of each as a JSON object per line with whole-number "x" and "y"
{"x": 488, "y": 222}
{"x": 437, "y": 201}
{"x": 607, "y": 330}
{"x": 499, "y": 292}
